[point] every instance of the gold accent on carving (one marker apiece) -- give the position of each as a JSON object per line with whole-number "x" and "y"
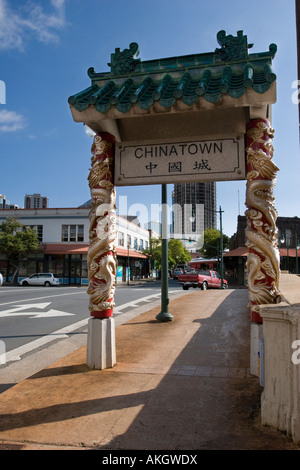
{"x": 101, "y": 255}
{"x": 263, "y": 259}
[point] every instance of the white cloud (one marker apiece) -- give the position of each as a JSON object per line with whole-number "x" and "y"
{"x": 10, "y": 121}
{"x": 16, "y": 23}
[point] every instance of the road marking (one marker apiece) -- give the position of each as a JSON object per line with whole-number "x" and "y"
{"x": 135, "y": 303}
{"x": 17, "y": 311}
{"x": 15, "y": 354}
{"x": 38, "y": 298}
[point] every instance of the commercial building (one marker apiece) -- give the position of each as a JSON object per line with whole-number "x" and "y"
{"x": 64, "y": 240}
{"x": 288, "y": 241}
{"x": 6, "y": 204}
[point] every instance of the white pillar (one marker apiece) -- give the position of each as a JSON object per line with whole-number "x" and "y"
{"x": 101, "y": 350}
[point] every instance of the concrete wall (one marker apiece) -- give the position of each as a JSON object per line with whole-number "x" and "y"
{"x": 280, "y": 401}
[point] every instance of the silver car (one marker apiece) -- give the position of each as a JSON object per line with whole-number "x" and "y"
{"x": 40, "y": 279}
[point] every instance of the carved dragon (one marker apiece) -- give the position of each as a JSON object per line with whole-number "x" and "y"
{"x": 101, "y": 254}
{"x": 261, "y": 233}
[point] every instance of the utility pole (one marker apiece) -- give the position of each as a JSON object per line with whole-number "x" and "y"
{"x": 164, "y": 315}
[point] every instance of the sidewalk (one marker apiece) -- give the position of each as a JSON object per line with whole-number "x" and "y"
{"x": 181, "y": 385}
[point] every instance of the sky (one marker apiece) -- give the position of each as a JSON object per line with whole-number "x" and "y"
{"x": 46, "y": 48}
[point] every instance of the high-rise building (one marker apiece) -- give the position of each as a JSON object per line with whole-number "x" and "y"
{"x": 194, "y": 208}
{"x": 35, "y": 201}
{"x": 6, "y": 204}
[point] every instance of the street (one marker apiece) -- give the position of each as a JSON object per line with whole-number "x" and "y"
{"x": 39, "y": 325}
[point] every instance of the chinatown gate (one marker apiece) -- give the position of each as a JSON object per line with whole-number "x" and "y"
{"x": 195, "y": 118}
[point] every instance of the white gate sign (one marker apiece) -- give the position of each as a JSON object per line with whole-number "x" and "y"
{"x": 180, "y": 162}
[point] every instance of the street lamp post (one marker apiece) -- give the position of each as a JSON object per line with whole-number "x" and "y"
{"x": 221, "y": 249}
{"x": 128, "y": 262}
{"x": 164, "y": 315}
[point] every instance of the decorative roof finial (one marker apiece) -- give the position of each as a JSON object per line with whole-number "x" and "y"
{"x": 125, "y": 61}
{"x": 232, "y": 47}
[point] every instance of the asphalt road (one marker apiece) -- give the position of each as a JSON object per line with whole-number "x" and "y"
{"x": 39, "y": 325}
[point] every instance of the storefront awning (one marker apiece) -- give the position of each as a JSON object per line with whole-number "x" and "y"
{"x": 241, "y": 251}
{"x": 82, "y": 249}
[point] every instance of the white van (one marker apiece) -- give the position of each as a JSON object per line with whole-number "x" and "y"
{"x": 40, "y": 279}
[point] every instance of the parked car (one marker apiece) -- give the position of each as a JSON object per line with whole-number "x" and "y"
{"x": 1, "y": 279}
{"x": 202, "y": 279}
{"x": 40, "y": 279}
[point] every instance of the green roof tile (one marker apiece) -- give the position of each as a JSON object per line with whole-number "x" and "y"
{"x": 229, "y": 70}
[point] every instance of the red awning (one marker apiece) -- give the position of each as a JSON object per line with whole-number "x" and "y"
{"x": 241, "y": 251}
{"x": 132, "y": 253}
{"x": 65, "y": 248}
{"x": 82, "y": 249}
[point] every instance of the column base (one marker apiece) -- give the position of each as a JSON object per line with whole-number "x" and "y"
{"x": 101, "y": 347}
{"x": 256, "y": 334}
{"x": 164, "y": 316}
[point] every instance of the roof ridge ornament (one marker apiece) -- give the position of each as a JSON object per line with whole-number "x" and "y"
{"x": 232, "y": 47}
{"x": 125, "y": 61}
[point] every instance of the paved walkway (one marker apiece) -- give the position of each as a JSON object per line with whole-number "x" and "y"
{"x": 181, "y": 385}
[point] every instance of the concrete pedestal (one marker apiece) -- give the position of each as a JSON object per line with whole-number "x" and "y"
{"x": 256, "y": 334}
{"x": 101, "y": 347}
{"x": 280, "y": 401}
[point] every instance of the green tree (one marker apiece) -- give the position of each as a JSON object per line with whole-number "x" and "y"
{"x": 17, "y": 241}
{"x": 154, "y": 253}
{"x": 177, "y": 254}
{"x": 211, "y": 246}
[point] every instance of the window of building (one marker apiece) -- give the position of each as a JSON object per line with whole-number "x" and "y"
{"x": 39, "y": 231}
{"x": 72, "y": 233}
{"x": 135, "y": 243}
{"x": 128, "y": 241}
{"x": 65, "y": 233}
{"x": 120, "y": 238}
{"x": 80, "y": 233}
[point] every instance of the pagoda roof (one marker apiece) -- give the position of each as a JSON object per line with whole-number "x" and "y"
{"x": 131, "y": 84}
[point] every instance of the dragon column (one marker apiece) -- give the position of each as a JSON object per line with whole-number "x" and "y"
{"x": 261, "y": 233}
{"x": 101, "y": 255}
